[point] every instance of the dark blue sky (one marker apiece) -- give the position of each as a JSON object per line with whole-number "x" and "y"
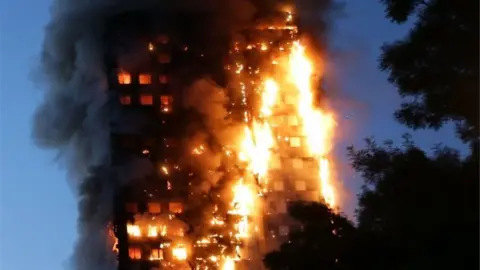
{"x": 37, "y": 208}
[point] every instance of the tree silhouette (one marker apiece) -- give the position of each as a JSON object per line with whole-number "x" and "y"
{"x": 415, "y": 211}
{"x": 325, "y": 240}
{"x": 422, "y": 210}
{"x": 436, "y": 65}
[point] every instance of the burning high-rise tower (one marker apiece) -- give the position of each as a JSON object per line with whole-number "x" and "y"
{"x": 189, "y": 127}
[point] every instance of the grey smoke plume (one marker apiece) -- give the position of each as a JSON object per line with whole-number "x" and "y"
{"x": 214, "y": 130}
{"x": 74, "y": 116}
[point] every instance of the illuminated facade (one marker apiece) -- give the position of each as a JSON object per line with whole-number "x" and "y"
{"x": 150, "y": 60}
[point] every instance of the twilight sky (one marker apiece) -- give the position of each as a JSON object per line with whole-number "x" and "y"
{"x": 37, "y": 208}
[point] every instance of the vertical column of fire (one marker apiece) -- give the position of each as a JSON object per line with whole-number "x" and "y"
{"x": 290, "y": 74}
{"x": 293, "y": 75}
{"x": 243, "y": 195}
{"x": 317, "y": 124}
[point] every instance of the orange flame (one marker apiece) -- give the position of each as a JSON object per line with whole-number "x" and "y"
{"x": 228, "y": 264}
{"x": 317, "y": 125}
{"x": 179, "y": 253}
{"x": 134, "y": 230}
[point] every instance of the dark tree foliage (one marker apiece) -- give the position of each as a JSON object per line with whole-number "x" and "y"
{"x": 324, "y": 240}
{"x": 422, "y": 211}
{"x": 436, "y": 66}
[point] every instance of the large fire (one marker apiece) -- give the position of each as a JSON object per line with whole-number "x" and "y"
{"x": 317, "y": 125}
{"x": 285, "y": 90}
{"x": 293, "y": 79}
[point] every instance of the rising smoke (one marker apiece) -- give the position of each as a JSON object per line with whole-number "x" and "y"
{"x": 74, "y": 117}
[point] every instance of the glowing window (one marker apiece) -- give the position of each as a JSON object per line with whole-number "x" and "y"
{"x": 146, "y": 100}
{"x": 135, "y": 253}
{"x": 154, "y": 208}
{"x": 125, "y": 100}
{"x": 166, "y": 103}
{"x": 176, "y": 207}
{"x": 131, "y": 207}
{"x": 164, "y": 58}
{"x": 283, "y": 230}
{"x": 124, "y": 77}
{"x": 278, "y": 185}
{"x": 179, "y": 232}
{"x": 145, "y": 78}
{"x": 295, "y": 142}
{"x": 163, "y": 79}
{"x": 300, "y": 186}
{"x": 156, "y": 254}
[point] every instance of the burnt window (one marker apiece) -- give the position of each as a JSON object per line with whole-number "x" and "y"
{"x": 169, "y": 142}
{"x": 124, "y": 77}
{"x": 283, "y": 230}
{"x": 164, "y": 58}
{"x": 163, "y": 39}
{"x": 163, "y": 79}
{"x": 154, "y": 208}
{"x": 126, "y": 142}
{"x": 144, "y": 78}
{"x": 125, "y": 100}
{"x": 135, "y": 253}
{"x": 166, "y": 103}
{"x": 146, "y": 100}
{"x": 131, "y": 207}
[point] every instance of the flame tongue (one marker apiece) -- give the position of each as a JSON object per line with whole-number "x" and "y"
{"x": 292, "y": 79}
{"x": 317, "y": 125}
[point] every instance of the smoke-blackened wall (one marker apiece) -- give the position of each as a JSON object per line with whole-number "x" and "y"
{"x": 73, "y": 118}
